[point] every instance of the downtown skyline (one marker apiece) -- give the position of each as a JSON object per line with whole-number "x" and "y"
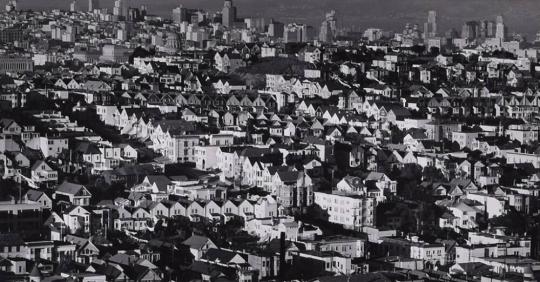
{"x": 369, "y": 13}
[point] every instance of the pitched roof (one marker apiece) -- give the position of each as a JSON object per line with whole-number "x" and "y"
{"x": 223, "y": 256}
{"x": 288, "y": 176}
{"x": 11, "y": 239}
{"x": 69, "y": 188}
{"x": 161, "y": 181}
{"x": 196, "y": 241}
{"x": 34, "y": 195}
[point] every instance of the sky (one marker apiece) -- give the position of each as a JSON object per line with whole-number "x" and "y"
{"x": 521, "y": 16}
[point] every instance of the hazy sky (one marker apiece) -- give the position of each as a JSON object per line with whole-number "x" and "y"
{"x": 520, "y": 15}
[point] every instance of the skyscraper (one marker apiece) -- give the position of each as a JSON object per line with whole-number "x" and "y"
{"x": 228, "y": 14}
{"x": 179, "y": 14}
{"x": 328, "y": 27}
{"x": 120, "y": 8}
{"x": 92, "y": 5}
{"x": 500, "y": 28}
{"x": 430, "y": 27}
{"x": 297, "y": 33}
{"x": 11, "y": 6}
{"x": 470, "y": 30}
{"x": 275, "y": 29}
{"x": 73, "y": 6}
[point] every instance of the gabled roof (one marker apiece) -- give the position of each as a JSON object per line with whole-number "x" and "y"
{"x": 6, "y": 122}
{"x": 38, "y": 163}
{"x": 70, "y": 188}
{"x": 87, "y": 148}
{"x": 375, "y": 176}
{"x": 223, "y": 256}
{"x": 161, "y": 181}
{"x": 196, "y": 241}
{"x": 10, "y": 239}
{"x": 288, "y": 176}
{"x": 34, "y": 195}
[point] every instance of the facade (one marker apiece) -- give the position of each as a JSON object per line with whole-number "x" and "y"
{"x": 228, "y": 14}
{"x": 337, "y": 155}
{"x": 15, "y": 64}
{"x": 349, "y": 210}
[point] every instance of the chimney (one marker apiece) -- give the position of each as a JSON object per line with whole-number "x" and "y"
{"x": 282, "y": 257}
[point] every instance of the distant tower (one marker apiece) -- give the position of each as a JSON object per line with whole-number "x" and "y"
{"x": 92, "y": 5}
{"x": 500, "y": 28}
{"x": 179, "y": 14}
{"x": 328, "y": 27}
{"x": 275, "y": 29}
{"x": 143, "y": 10}
{"x": 11, "y": 6}
{"x": 430, "y": 27}
{"x": 120, "y": 8}
{"x": 470, "y": 30}
{"x": 228, "y": 14}
{"x": 73, "y": 6}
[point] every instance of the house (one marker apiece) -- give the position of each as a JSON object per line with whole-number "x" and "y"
{"x": 350, "y": 210}
{"x": 432, "y": 255}
{"x": 228, "y": 62}
{"x": 86, "y": 251}
{"x": 12, "y": 245}
{"x": 39, "y": 197}
{"x": 9, "y": 126}
{"x": 41, "y": 172}
{"x": 75, "y": 194}
{"x": 49, "y": 146}
{"x": 198, "y": 245}
{"x": 77, "y": 219}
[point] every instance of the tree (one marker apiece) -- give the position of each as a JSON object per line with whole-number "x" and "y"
{"x": 396, "y": 134}
{"x": 433, "y": 174}
{"x": 514, "y": 221}
{"x": 418, "y": 49}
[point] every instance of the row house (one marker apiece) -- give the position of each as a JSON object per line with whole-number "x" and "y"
{"x": 228, "y": 62}
{"x": 350, "y": 210}
{"x": 42, "y": 173}
{"x": 279, "y": 83}
{"x": 228, "y": 86}
{"x": 72, "y": 193}
{"x": 431, "y": 254}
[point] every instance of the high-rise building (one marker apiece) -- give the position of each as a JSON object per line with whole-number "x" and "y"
{"x": 470, "y": 30}
{"x": 228, "y": 14}
{"x": 500, "y": 29}
{"x": 373, "y": 34}
{"x": 120, "y": 8}
{"x": 308, "y": 33}
{"x": 430, "y": 27}
{"x": 11, "y": 5}
{"x": 491, "y": 29}
{"x": 179, "y": 14}
{"x": 275, "y": 29}
{"x": 328, "y": 27}
{"x": 11, "y": 35}
{"x": 134, "y": 14}
{"x": 296, "y": 33}
{"x": 73, "y": 6}
{"x": 256, "y": 24}
{"x": 325, "y": 34}
{"x": 15, "y": 64}
{"x": 92, "y": 5}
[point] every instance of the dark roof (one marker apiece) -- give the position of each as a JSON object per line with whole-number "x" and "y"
{"x": 34, "y": 195}
{"x": 69, "y": 188}
{"x": 196, "y": 241}
{"x": 161, "y": 181}
{"x": 223, "y": 256}
{"x": 10, "y": 239}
